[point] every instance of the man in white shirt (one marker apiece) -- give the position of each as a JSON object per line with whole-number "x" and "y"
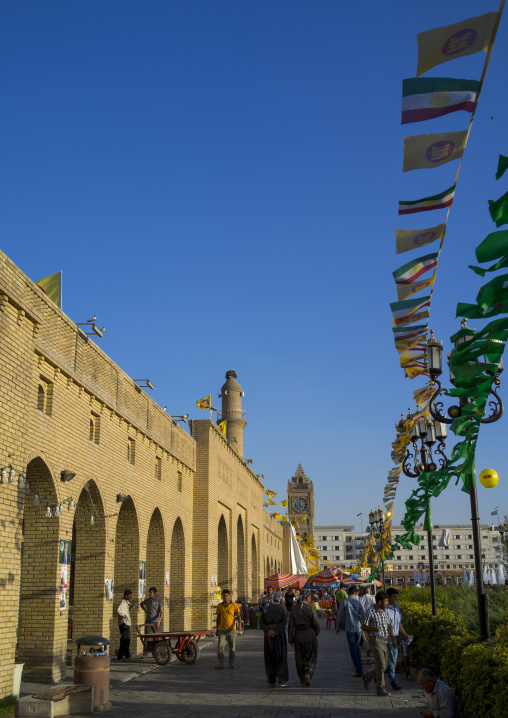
{"x": 124, "y": 623}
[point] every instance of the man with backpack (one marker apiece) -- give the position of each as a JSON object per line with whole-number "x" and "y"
{"x": 349, "y": 618}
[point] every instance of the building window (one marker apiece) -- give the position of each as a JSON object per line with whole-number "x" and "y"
{"x": 447, "y": 556}
{"x": 457, "y": 547}
{"x": 45, "y": 396}
{"x": 179, "y": 483}
{"x": 470, "y": 536}
{"x": 457, "y": 536}
{"x": 349, "y": 539}
{"x": 158, "y": 468}
{"x": 411, "y": 558}
{"x": 325, "y": 558}
{"x": 131, "y": 451}
{"x": 470, "y": 546}
{"x": 337, "y": 538}
{"x": 94, "y": 428}
{"x": 337, "y": 548}
{"x": 324, "y": 548}
{"x": 399, "y": 558}
{"x": 471, "y": 555}
{"x": 459, "y": 556}
{"x": 349, "y": 556}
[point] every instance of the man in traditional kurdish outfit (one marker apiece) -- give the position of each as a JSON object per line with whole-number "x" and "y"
{"x": 273, "y": 622}
{"x": 303, "y": 631}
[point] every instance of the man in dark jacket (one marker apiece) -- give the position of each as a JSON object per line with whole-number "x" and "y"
{"x": 303, "y": 631}
{"x": 273, "y": 622}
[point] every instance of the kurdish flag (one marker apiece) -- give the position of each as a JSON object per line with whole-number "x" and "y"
{"x": 222, "y": 427}
{"x": 284, "y": 503}
{"x": 52, "y": 287}
{"x": 410, "y": 272}
{"x": 409, "y": 332}
{"x": 462, "y": 38}
{"x": 271, "y": 494}
{"x": 407, "y": 239}
{"x": 205, "y": 403}
{"x": 404, "y": 291}
{"x": 437, "y": 201}
{"x": 405, "y": 345}
{"x": 410, "y": 311}
{"x": 271, "y": 503}
{"x": 424, "y": 98}
{"x": 428, "y": 151}
{"x": 277, "y": 516}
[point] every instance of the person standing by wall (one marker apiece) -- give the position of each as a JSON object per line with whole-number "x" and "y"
{"x": 228, "y": 614}
{"x": 154, "y": 609}
{"x": 124, "y": 623}
{"x": 303, "y": 631}
{"x": 273, "y": 622}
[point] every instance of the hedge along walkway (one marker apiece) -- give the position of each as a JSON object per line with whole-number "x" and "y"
{"x": 199, "y": 691}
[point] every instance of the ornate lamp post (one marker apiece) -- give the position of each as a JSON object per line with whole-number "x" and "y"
{"x": 428, "y": 433}
{"x": 435, "y": 367}
{"x": 375, "y": 528}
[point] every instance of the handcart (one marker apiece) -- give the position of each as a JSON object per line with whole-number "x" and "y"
{"x": 186, "y": 648}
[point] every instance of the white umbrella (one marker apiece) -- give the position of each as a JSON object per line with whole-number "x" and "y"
{"x": 500, "y": 574}
{"x": 471, "y": 578}
{"x": 425, "y": 577}
{"x": 485, "y": 575}
{"x": 464, "y": 577}
{"x": 493, "y": 578}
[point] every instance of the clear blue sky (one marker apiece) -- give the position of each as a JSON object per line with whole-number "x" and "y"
{"x": 219, "y": 183}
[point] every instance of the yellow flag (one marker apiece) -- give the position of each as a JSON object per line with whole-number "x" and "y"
{"x": 277, "y": 516}
{"x": 284, "y": 518}
{"x": 284, "y": 503}
{"x": 304, "y": 517}
{"x": 271, "y": 494}
{"x": 205, "y": 403}
{"x": 429, "y": 151}
{"x": 222, "y": 427}
{"x": 446, "y": 43}
{"x": 52, "y": 287}
{"x": 404, "y": 291}
{"x": 407, "y": 239}
{"x": 271, "y": 503}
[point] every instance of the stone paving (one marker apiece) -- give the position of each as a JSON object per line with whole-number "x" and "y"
{"x": 140, "y": 688}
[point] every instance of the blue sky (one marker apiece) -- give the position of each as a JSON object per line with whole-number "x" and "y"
{"x": 218, "y": 182}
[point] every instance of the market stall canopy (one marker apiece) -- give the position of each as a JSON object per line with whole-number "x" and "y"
{"x": 282, "y": 580}
{"x": 325, "y": 578}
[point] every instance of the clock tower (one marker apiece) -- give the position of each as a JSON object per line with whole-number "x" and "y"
{"x": 301, "y": 501}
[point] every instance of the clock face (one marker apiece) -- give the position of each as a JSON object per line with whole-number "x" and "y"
{"x": 300, "y": 504}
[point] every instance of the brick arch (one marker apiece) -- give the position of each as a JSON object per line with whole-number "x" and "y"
{"x": 41, "y": 638}
{"x": 254, "y": 569}
{"x": 156, "y": 554}
{"x": 241, "y": 581}
{"x": 223, "y": 554}
{"x": 88, "y": 563}
{"x": 126, "y": 562}
{"x": 177, "y": 578}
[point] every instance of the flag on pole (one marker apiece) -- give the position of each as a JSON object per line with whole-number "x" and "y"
{"x": 410, "y": 310}
{"x": 284, "y": 503}
{"x": 499, "y": 210}
{"x": 413, "y": 270}
{"x": 359, "y": 514}
{"x": 409, "y": 332}
{"x": 436, "y": 201}
{"x": 494, "y": 513}
{"x": 52, "y": 288}
{"x": 407, "y": 239}
{"x": 205, "y": 403}
{"x": 502, "y": 166}
{"x": 424, "y": 98}
{"x": 429, "y": 151}
{"x": 277, "y": 516}
{"x": 222, "y": 427}
{"x": 404, "y": 291}
{"x": 271, "y": 503}
{"x": 271, "y": 494}
{"x": 446, "y": 43}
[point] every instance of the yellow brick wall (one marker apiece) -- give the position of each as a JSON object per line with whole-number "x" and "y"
{"x": 180, "y": 489}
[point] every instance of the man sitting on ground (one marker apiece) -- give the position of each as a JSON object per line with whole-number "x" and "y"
{"x": 442, "y": 701}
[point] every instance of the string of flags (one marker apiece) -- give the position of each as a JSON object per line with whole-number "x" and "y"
{"x": 10, "y": 475}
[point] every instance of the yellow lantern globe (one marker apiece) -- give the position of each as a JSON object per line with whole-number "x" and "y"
{"x": 489, "y": 478}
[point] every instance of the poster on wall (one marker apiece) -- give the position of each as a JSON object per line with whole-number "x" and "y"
{"x": 167, "y": 579}
{"x": 65, "y": 552}
{"x": 142, "y": 568}
{"x": 141, "y": 587}
{"x": 109, "y": 583}
{"x": 63, "y": 575}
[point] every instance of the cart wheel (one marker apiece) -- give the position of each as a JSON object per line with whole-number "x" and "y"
{"x": 191, "y": 653}
{"x": 161, "y": 653}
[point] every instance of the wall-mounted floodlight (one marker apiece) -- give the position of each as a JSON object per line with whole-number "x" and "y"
{"x": 147, "y": 383}
{"x": 120, "y": 498}
{"x": 181, "y": 418}
{"x": 99, "y": 331}
{"x": 66, "y": 475}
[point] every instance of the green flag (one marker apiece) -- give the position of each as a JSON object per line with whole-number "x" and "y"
{"x": 52, "y": 287}
{"x": 499, "y": 210}
{"x": 494, "y": 291}
{"x": 500, "y": 264}
{"x": 502, "y": 166}
{"x": 427, "y": 525}
{"x": 494, "y": 245}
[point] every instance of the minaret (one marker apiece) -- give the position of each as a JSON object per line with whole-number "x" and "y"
{"x": 232, "y": 412}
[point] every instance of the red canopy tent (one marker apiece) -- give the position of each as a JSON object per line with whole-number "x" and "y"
{"x": 282, "y": 580}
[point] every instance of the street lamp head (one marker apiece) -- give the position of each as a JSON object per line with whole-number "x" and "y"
{"x": 371, "y": 516}
{"x": 434, "y": 356}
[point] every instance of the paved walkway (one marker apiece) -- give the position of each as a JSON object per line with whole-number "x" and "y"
{"x": 140, "y": 688}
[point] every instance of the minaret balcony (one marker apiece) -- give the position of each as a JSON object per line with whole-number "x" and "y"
{"x": 231, "y": 414}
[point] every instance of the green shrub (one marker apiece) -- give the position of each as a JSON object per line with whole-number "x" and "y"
{"x": 452, "y": 661}
{"x": 478, "y": 679}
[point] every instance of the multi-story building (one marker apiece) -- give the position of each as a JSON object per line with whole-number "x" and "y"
{"x": 452, "y": 548}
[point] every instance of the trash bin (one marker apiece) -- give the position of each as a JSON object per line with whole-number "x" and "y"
{"x": 91, "y": 668}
